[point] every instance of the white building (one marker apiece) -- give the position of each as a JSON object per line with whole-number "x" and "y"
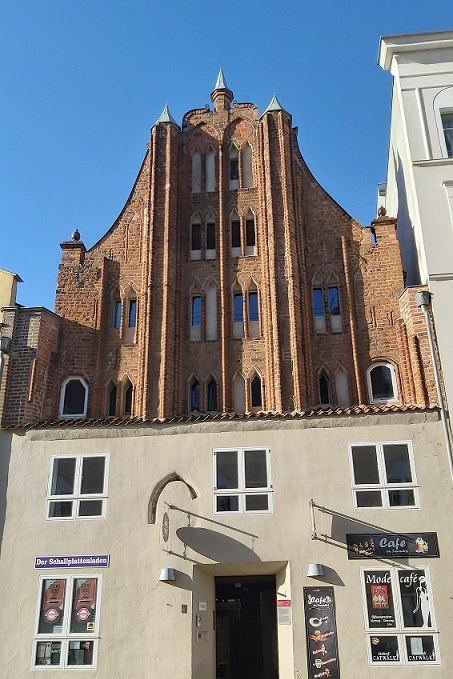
{"x": 420, "y": 170}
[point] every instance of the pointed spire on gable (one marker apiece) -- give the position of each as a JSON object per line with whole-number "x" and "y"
{"x": 222, "y": 96}
{"x": 165, "y": 117}
{"x": 275, "y": 105}
{"x": 221, "y": 83}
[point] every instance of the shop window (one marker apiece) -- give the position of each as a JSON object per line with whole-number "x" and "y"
{"x": 210, "y": 170}
{"x": 77, "y": 487}
{"x": 117, "y": 312}
{"x": 247, "y": 174}
{"x": 256, "y": 393}
{"x": 381, "y": 381}
{"x": 234, "y": 167}
{"x": 383, "y": 475}
{"x": 211, "y": 396}
{"x": 399, "y": 615}
{"x": 196, "y": 172}
{"x": 250, "y": 236}
{"x": 73, "y": 398}
{"x": 242, "y": 480}
{"x": 67, "y": 633}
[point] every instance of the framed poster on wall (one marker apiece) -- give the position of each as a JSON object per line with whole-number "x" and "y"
{"x": 321, "y": 633}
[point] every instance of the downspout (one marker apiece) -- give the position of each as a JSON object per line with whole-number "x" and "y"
{"x": 423, "y": 300}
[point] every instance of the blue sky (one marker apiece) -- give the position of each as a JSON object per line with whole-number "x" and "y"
{"x": 82, "y": 81}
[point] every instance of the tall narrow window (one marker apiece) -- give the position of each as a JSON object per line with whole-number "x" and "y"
{"x": 195, "y": 238}
{"x": 128, "y": 398}
{"x": 253, "y": 310}
{"x": 247, "y": 175}
{"x": 132, "y": 313}
{"x": 318, "y": 310}
{"x": 324, "y": 389}
{"x": 194, "y": 396}
{"x": 238, "y": 394}
{"x": 73, "y": 398}
{"x": 210, "y": 240}
{"x": 211, "y": 312}
{"x": 256, "y": 395}
{"x": 195, "y": 317}
{"x": 117, "y": 311}
{"x": 196, "y": 172}
{"x": 210, "y": 170}
{"x": 250, "y": 238}
{"x": 382, "y": 383}
{"x": 333, "y": 299}
{"x": 235, "y": 226}
{"x": 211, "y": 395}
{"x": 111, "y": 394}
{"x": 234, "y": 167}
{"x": 238, "y": 313}
{"x": 447, "y": 124}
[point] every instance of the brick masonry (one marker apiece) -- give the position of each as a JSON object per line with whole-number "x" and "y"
{"x": 304, "y": 239}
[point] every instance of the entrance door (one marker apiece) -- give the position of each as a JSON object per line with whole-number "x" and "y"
{"x": 246, "y": 627}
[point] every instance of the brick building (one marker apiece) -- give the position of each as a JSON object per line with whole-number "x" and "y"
{"x": 230, "y": 282}
{"x": 229, "y": 427}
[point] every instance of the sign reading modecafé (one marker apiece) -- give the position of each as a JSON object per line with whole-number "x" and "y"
{"x": 376, "y": 545}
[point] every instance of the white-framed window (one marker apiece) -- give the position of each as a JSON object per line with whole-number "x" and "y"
{"x": 383, "y": 475}
{"x": 447, "y": 126}
{"x": 242, "y": 480}
{"x": 381, "y": 381}
{"x": 73, "y": 398}
{"x": 195, "y": 317}
{"x": 77, "y": 487}
{"x": 67, "y": 622}
{"x": 399, "y": 616}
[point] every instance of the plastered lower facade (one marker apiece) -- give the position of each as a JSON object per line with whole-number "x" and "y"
{"x": 142, "y": 629}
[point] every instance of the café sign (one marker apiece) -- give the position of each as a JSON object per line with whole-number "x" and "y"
{"x": 395, "y": 545}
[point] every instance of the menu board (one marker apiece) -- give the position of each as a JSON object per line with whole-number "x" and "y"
{"x": 321, "y": 630}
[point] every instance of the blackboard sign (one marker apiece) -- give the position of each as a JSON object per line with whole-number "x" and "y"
{"x": 377, "y": 545}
{"x": 321, "y": 630}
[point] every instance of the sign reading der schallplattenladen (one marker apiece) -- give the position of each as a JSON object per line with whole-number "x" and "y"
{"x": 91, "y": 561}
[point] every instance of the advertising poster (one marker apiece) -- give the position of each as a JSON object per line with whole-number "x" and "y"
{"x": 379, "y": 599}
{"x": 321, "y": 631}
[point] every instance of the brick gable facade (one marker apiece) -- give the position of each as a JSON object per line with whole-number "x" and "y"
{"x": 303, "y": 240}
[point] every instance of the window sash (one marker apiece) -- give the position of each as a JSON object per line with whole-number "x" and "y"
{"x": 78, "y": 500}
{"x": 389, "y": 492}
{"x": 240, "y": 497}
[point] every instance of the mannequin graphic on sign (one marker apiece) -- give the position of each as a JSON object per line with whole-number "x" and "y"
{"x": 423, "y": 602}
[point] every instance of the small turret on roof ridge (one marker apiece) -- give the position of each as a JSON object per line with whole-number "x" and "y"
{"x": 165, "y": 117}
{"x": 221, "y": 83}
{"x": 274, "y": 105}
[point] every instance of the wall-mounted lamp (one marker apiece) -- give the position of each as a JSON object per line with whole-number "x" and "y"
{"x": 167, "y": 575}
{"x": 315, "y": 570}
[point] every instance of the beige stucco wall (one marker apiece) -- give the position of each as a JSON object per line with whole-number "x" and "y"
{"x": 144, "y": 632}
